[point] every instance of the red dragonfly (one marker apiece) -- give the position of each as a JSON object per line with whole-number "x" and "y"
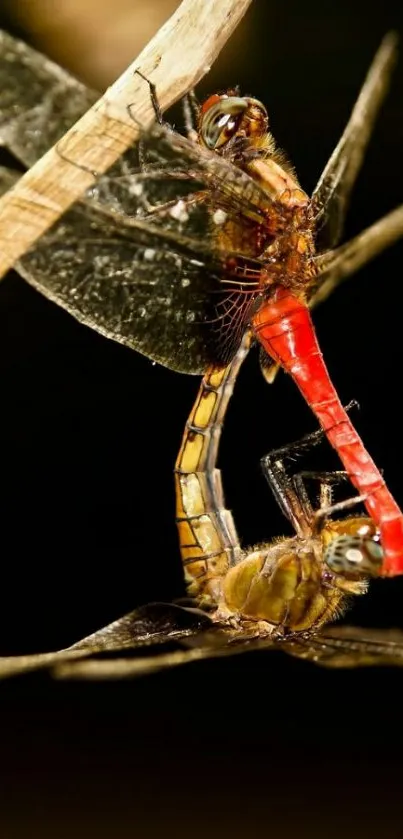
{"x": 188, "y": 242}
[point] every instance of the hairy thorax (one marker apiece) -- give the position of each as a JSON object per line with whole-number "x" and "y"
{"x": 286, "y": 585}
{"x": 284, "y": 242}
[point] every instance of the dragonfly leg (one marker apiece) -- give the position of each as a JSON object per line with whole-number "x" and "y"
{"x": 81, "y": 166}
{"x": 158, "y": 116}
{"x": 191, "y": 113}
{"x": 157, "y": 112}
{"x": 326, "y": 506}
{"x": 290, "y": 491}
{"x": 304, "y": 443}
{"x": 292, "y": 498}
{"x": 153, "y": 97}
{"x": 326, "y": 481}
{"x": 327, "y": 511}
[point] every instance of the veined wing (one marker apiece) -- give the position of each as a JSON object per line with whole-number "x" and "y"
{"x": 337, "y": 647}
{"x": 139, "y": 258}
{"x": 153, "y": 287}
{"x": 351, "y": 646}
{"x": 39, "y": 101}
{"x": 160, "y": 636}
{"x": 160, "y": 293}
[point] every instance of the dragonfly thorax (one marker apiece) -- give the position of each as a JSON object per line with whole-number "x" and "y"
{"x": 283, "y": 584}
{"x": 236, "y": 128}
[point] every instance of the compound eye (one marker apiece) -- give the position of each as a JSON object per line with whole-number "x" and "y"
{"x": 355, "y": 556}
{"x": 220, "y": 119}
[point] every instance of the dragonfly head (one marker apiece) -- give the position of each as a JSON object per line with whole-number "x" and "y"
{"x": 224, "y": 116}
{"x": 352, "y": 548}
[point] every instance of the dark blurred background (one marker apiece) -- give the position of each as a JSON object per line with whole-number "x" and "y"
{"x": 87, "y": 504}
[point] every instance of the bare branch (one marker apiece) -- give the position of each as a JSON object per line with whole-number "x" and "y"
{"x": 174, "y": 60}
{"x": 337, "y": 265}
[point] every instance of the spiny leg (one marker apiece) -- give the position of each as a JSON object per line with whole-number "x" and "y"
{"x": 153, "y": 96}
{"x": 326, "y": 482}
{"x": 191, "y": 113}
{"x": 158, "y": 116}
{"x": 292, "y": 500}
{"x": 290, "y": 491}
{"x": 340, "y": 507}
{"x": 294, "y": 507}
{"x": 191, "y": 109}
{"x": 157, "y": 113}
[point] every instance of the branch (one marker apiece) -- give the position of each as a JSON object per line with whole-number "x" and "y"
{"x": 179, "y": 55}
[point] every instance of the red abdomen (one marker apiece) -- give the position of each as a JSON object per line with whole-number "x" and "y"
{"x": 284, "y": 327}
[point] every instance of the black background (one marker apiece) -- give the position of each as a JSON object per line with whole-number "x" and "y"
{"x": 90, "y": 430}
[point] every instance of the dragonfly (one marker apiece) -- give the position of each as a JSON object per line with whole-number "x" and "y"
{"x": 277, "y": 596}
{"x": 188, "y": 242}
{"x": 294, "y": 584}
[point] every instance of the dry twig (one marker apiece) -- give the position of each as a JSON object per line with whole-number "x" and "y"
{"x": 175, "y": 60}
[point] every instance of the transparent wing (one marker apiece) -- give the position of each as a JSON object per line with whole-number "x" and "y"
{"x": 38, "y": 100}
{"x": 143, "y": 291}
{"x": 351, "y": 646}
{"x": 141, "y": 259}
{"x": 161, "y": 635}
{"x": 191, "y": 639}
